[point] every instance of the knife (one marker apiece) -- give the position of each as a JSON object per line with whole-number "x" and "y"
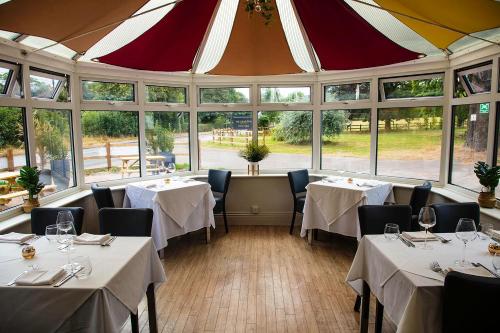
{"x": 406, "y": 242}
{"x": 486, "y": 268}
{"x": 69, "y": 276}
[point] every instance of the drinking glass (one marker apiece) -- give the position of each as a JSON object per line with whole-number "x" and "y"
{"x": 84, "y": 263}
{"x": 496, "y": 262}
{"x": 465, "y": 231}
{"x": 64, "y": 216}
{"x": 485, "y": 229}
{"x": 426, "y": 219}
{"x": 171, "y": 167}
{"x": 51, "y": 233}
{"x": 65, "y": 234}
{"x": 391, "y": 231}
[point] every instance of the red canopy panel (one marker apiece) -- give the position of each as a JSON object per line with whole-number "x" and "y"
{"x": 343, "y": 40}
{"x": 171, "y": 44}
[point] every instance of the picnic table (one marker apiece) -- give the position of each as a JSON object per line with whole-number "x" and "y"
{"x": 152, "y": 163}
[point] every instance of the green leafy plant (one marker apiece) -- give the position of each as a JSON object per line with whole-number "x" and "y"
{"x": 29, "y": 179}
{"x": 254, "y": 153}
{"x": 161, "y": 139}
{"x": 488, "y": 176}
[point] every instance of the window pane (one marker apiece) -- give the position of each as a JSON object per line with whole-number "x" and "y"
{"x": 345, "y": 141}
{"x": 12, "y": 153}
{"x": 428, "y": 87}
{"x": 164, "y": 94}
{"x": 470, "y": 137}
{"x": 288, "y": 134}
{"x": 4, "y": 76}
{"x": 110, "y": 145}
{"x": 108, "y": 91}
{"x": 10, "y": 80}
{"x": 347, "y": 92}
{"x": 285, "y": 94}
{"x": 49, "y": 87}
{"x": 167, "y": 141}
{"x": 221, "y": 135}
{"x": 409, "y": 142}
{"x": 54, "y": 152}
{"x": 224, "y": 95}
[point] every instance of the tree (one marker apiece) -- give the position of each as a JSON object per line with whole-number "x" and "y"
{"x": 334, "y": 122}
{"x": 11, "y": 123}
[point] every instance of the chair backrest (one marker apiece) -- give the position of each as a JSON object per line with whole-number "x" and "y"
{"x": 219, "y": 180}
{"x": 103, "y": 197}
{"x": 419, "y": 197}
{"x": 126, "y": 221}
{"x": 373, "y": 218}
{"x": 448, "y": 214}
{"x": 470, "y": 303}
{"x": 42, "y": 217}
{"x": 298, "y": 181}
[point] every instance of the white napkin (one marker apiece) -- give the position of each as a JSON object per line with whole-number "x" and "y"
{"x": 368, "y": 183}
{"x": 15, "y": 237}
{"x": 478, "y": 271}
{"x": 418, "y": 236}
{"x": 495, "y": 234}
{"x": 90, "y": 239}
{"x": 40, "y": 277}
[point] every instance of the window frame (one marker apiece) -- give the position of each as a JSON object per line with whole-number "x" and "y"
{"x": 460, "y": 73}
{"x": 346, "y": 101}
{"x": 11, "y": 78}
{"x": 63, "y": 79}
{"x": 285, "y": 104}
{"x": 201, "y": 105}
{"x": 382, "y": 80}
{"x": 165, "y": 84}
{"x": 134, "y": 84}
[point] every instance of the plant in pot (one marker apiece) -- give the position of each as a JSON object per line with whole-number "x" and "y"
{"x": 488, "y": 178}
{"x": 29, "y": 179}
{"x": 162, "y": 143}
{"x": 254, "y": 153}
{"x": 4, "y": 187}
{"x": 57, "y": 152}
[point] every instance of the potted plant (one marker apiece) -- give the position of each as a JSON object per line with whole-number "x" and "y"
{"x": 162, "y": 143}
{"x": 57, "y": 152}
{"x": 4, "y": 187}
{"x": 488, "y": 178}
{"x": 254, "y": 153}
{"x": 29, "y": 179}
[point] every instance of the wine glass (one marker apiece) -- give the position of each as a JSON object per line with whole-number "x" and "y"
{"x": 65, "y": 235}
{"x": 465, "y": 231}
{"x": 171, "y": 167}
{"x": 391, "y": 231}
{"x": 51, "y": 232}
{"x": 426, "y": 219}
{"x": 64, "y": 216}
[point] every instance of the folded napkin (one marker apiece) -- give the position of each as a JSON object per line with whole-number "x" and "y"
{"x": 495, "y": 234}
{"x": 151, "y": 186}
{"x": 40, "y": 277}
{"x": 90, "y": 239}
{"x": 418, "y": 236}
{"x": 478, "y": 271}
{"x": 368, "y": 183}
{"x": 15, "y": 237}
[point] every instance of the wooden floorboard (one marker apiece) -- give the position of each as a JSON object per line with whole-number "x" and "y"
{"x": 256, "y": 279}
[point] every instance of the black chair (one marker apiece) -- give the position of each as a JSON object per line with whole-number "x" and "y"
{"x": 298, "y": 182}
{"x": 103, "y": 197}
{"x": 126, "y": 221}
{"x": 372, "y": 220}
{"x": 448, "y": 214}
{"x": 41, "y": 217}
{"x": 418, "y": 199}
{"x": 219, "y": 181}
{"x": 470, "y": 303}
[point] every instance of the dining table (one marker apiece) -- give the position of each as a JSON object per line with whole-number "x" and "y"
{"x": 121, "y": 274}
{"x": 401, "y": 278}
{"x": 332, "y": 203}
{"x": 180, "y": 206}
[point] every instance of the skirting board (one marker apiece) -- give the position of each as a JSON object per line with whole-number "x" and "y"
{"x": 267, "y": 218}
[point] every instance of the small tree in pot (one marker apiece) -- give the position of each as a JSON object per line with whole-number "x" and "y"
{"x": 162, "y": 143}
{"x": 29, "y": 179}
{"x": 488, "y": 178}
{"x": 254, "y": 153}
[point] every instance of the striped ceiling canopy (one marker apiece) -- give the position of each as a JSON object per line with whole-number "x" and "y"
{"x": 221, "y": 37}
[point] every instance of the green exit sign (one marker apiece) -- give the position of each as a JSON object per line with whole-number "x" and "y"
{"x": 484, "y": 107}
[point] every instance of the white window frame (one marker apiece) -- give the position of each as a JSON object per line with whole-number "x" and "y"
{"x": 285, "y": 104}
{"x": 345, "y": 101}
{"x": 461, "y": 73}
{"x": 235, "y": 86}
{"x": 62, "y": 78}
{"x": 104, "y": 102}
{"x": 12, "y": 80}
{"x": 163, "y": 84}
{"x": 409, "y": 78}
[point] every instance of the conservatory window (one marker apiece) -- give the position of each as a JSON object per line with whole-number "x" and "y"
{"x": 473, "y": 80}
{"x": 166, "y": 94}
{"x": 110, "y": 145}
{"x": 346, "y": 92}
{"x": 409, "y": 142}
{"x": 469, "y": 143}
{"x": 285, "y": 95}
{"x": 221, "y": 135}
{"x": 54, "y": 148}
{"x": 288, "y": 135}
{"x": 225, "y": 95}
{"x": 49, "y": 85}
{"x": 10, "y": 80}
{"x": 345, "y": 140}
{"x": 108, "y": 91}
{"x": 411, "y": 87}
{"x": 167, "y": 142}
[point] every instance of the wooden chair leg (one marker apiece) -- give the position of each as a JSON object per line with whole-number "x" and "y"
{"x": 357, "y": 304}
{"x": 134, "y": 322}
{"x": 379, "y": 317}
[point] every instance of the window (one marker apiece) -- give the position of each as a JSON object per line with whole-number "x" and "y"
{"x": 473, "y": 80}
{"x": 412, "y": 87}
{"x": 108, "y": 91}
{"x": 470, "y": 139}
{"x": 347, "y": 92}
{"x": 220, "y": 137}
{"x": 225, "y": 95}
{"x": 10, "y": 80}
{"x": 409, "y": 142}
{"x": 54, "y": 148}
{"x": 13, "y": 154}
{"x": 285, "y": 94}
{"x": 49, "y": 85}
{"x": 110, "y": 145}
{"x": 288, "y": 134}
{"x": 165, "y": 94}
{"x": 345, "y": 140}
{"x": 167, "y": 136}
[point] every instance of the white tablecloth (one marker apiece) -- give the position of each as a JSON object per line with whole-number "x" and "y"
{"x": 333, "y": 206}
{"x": 401, "y": 279}
{"x": 101, "y": 303}
{"x": 178, "y": 208}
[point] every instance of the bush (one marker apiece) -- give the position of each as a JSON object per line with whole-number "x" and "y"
{"x": 11, "y": 131}
{"x": 161, "y": 139}
{"x": 294, "y": 128}
{"x": 334, "y": 122}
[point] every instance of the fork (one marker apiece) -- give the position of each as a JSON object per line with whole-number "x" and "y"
{"x": 442, "y": 239}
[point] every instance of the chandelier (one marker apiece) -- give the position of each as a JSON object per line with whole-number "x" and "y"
{"x": 263, "y": 8}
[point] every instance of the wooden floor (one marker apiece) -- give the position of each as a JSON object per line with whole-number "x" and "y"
{"x": 256, "y": 279}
